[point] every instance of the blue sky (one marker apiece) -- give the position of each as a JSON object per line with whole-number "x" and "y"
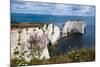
{"x": 51, "y": 8}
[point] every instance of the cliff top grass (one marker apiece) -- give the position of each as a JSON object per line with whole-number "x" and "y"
{"x": 26, "y": 24}
{"x": 74, "y": 55}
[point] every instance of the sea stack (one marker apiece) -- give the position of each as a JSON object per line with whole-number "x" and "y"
{"x": 53, "y": 33}
{"x": 73, "y": 27}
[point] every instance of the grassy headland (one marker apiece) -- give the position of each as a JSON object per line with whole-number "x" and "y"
{"x": 74, "y": 55}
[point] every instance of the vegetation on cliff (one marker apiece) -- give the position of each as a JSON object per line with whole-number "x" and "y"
{"x": 74, "y": 55}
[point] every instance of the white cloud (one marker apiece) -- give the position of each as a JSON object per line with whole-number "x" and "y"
{"x": 51, "y": 8}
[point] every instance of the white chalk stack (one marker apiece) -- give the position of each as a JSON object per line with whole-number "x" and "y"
{"x": 73, "y": 27}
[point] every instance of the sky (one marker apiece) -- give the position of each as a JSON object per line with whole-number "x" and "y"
{"x": 27, "y": 7}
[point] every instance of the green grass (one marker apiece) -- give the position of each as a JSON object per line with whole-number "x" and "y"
{"x": 74, "y": 55}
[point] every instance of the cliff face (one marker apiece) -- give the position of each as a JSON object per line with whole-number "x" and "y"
{"x": 74, "y": 27}
{"x": 28, "y": 42}
{"x": 21, "y": 48}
